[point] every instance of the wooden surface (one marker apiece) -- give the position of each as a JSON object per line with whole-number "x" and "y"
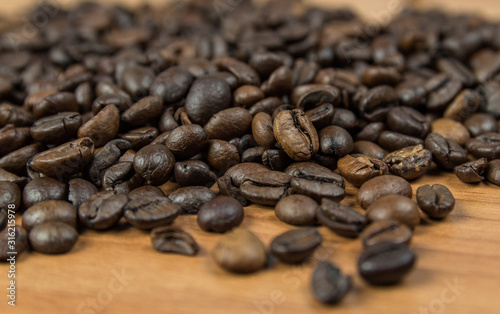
{"x": 119, "y": 272}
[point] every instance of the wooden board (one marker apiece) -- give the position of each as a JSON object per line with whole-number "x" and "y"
{"x": 119, "y": 272}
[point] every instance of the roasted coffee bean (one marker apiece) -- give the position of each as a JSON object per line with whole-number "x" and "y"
{"x": 140, "y": 137}
{"x": 371, "y": 132}
{"x": 410, "y": 162}
{"x": 154, "y": 163}
{"x": 3, "y": 219}
{"x": 442, "y": 89}
{"x": 222, "y": 155}
{"x": 408, "y": 121}
{"x": 345, "y": 119}
{"x": 411, "y": 95}
{"x": 463, "y": 106}
{"x": 79, "y": 190}
{"x": 229, "y": 123}
{"x": 262, "y": 129}
{"x": 446, "y": 153}
{"x": 245, "y": 142}
{"x": 456, "y": 70}
{"x": 376, "y": 103}
{"x": 329, "y": 285}
{"x": 304, "y": 72}
{"x": 46, "y": 211}
{"x": 65, "y": 160}
{"x": 167, "y": 121}
{"x": 56, "y": 129}
{"x": 187, "y": 140}
{"x": 299, "y": 210}
{"x": 341, "y": 219}
{"x": 149, "y": 212}
{"x": 105, "y": 158}
{"x": 265, "y": 188}
{"x": 295, "y": 246}
{"x": 15, "y": 115}
{"x": 395, "y": 207}
{"x": 295, "y": 133}
{"x": 276, "y": 159}
{"x": 238, "y": 172}
{"x": 357, "y": 168}
{"x": 309, "y": 96}
{"x": 102, "y": 210}
{"x": 247, "y": 95}
{"x": 221, "y": 214}
{"x": 16, "y": 161}
{"x": 12, "y": 138}
{"x": 136, "y": 80}
{"x": 191, "y": 198}
{"x": 145, "y": 110}
{"x": 493, "y": 172}
{"x": 377, "y": 75}
{"x": 240, "y": 251}
{"x": 451, "y": 129}
{"x": 436, "y": 201}
{"x": 481, "y": 123}
{"x": 253, "y": 154}
{"x": 385, "y": 263}
{"x": 207, "y": 96}
{"x": 103, "y": 127}
{"x": 10, "y": 194}
{"x": 321, "y": 116}
{"x": 43, "y": 189}
{"x": 267, "y": 105}
{"x": 121, "y": 178}
{"x": 55, "y": 103}
{"x": 279, "y": 83}
{"x": 173, "y": 240}
{"x": 193, "y": 172}
{"x": 118, "y": 99}
{"x": 84, "y": 96}
{"x": 146, "y": 190}
{"x": 393, "y": 141}
{"x": 316, "y": 181}
{"x": 381, "y": 231}
{"x": 377, "y": 187}
{"x": 243, "y": 72}
{"x": 336, "y": 141}
{"x": 54, "y": 237}
{"x": 473, "y": 171}
{"x": 20, "y": 242}
{"x": 265, "y": 62}
{"x": 485, "y": 146}
{"x": 369, "y": 149}
{"x": 172, "y": 84}
{"x": 10, "y": 177}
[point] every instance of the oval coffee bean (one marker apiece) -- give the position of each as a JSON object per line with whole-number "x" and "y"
{"x": 493, "y": 172}
{"x": 121, "y": 178}
{"x": 380, "y": 186}
{"x": 20, "y": 242}
{"x": 172, "y": 84}
{"x": 381, "y": 231}
{"x": 56, "y": 129}
{"x": 485, "y": 146}
{"x": 146, "y": 190}
{"x": 329, "y": 285}
{"x": 473, "y": 171}
{"x": 106, "y": 157}
{"x": 265, "y": 188}
{"x": 43, "y": 189}
{"x": 341, "y": 219}
{"x": 150, "y": 212}
{"x": 172, "y": 240}
{"x": 10, "y": 194}
{"x": 299, "y": 210}
{"x": 186, "y": 141}
{"x": 191, "y": 198}
{"x": 451, "y": 129}
{"x": 222, "y": 155}
{"x": 481, "y": 123}
{"x": 369, "y": 149}
{"x": 336, "y": 141}
{"x": 262, "y": 129}
{"x": 80, "y": 190}
{"x": 102, "y": 210}
{"x": 393, "y": 141}
{"x": 154, "y": 163}
{"x": 145, "y": 110}
{"x": 207, "y": 96}
{"x": 436, "y": 201}
{"x": 53, "y": 237}
{"x": 103, "y": 127}
{"x": 47, "y": 211}
{"x": 193, "y": 172}
{"x": 409, "y": 162}
{"x": 295, "y": 246}
{"x": 221, "y": 214}
{"x": 446, "y": 153}
{"x": 229, "y": 123}
{"x": 357, "y": 168}
{"x": 408, "y": 121}
{"x": 395, "y": 207}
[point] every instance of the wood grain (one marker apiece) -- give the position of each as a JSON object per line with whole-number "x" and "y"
{"x": 119, "y": 272}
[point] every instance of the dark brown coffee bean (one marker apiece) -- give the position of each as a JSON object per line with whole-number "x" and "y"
{"x": 43, "y": 189}
{"x": 410, "y": 95}
{"x": 451, "y": 129}
{"x": 173, "y": 240}
{"x": 146, "y": 190}
{"x": 381, "y": 231}
{"x": 102, "y": 210}
{"x": 377, "y": 187}
{"x": 154, "y": 163}
{"x": 442, "y": 90}
{"x": 295, "y": 246}
{"x": 463, "y": 106}
{"x": 371, "y": 132}
{"x": 193, "y": 172}
{"x": 105, "y": 158}
{"x": 207, "y": 96}
{"x": 410, "y": 162}
{"x": 408, "y": 121}
{"x": 446, "y": 153}
{"x": 341, "y": 219}
{"x": 393, "y": 141}
{"x": 267, "y": 105}
{"x": 16, "y": 161}
{"x": 369, "y": 149}
{"x": 65, "y": 160}
{"x": 262, "y": 129}
{"x": 329, "y": 285}
{"x": 276, "y": 159}
{"x": 10, "y": 194}
{"x": 84, "y": 95}
{"x": 10, "y": 177}
{"x": 385, "y": 263}
{"x": 345, "y": 119}
{"x": 55, "y": 103}
{"x": 103, "y": 127}
{"x": 15, "y": 115}
{"x": 12, "y": 138}
{"x": 247, "y": 95}
{"x": 396, "y": 207}
{"x": 485, "y": 146}
{"x": 240, "y": 251}
{"x": 47, "y": 211}
{"x": 456, "y": 70}
{"x": 145, "y": 110}
{"x": 172, "y": 84}
{"x": 136, "y": 80}
{"x": 376, "y": 103}
{"x": 222, "y": 155}
{"x": 357, "y": 169}
{"x": 140, "y": 137}
{"x": 336, "y": 141}
{"x": 191, "y": 198}
{"x": 56, "y": 129}
{"x": 377, "y": 75}
{"x": 493, "y": 172}
{"x": 238, "y": 172}
{"x": 481, "y": 123}
{"x": 221, "y": 214}
{"x": 296, "y": 209}
{"x": 187, "y": 141}
{"x": 310, "y": 96}
{"x": 244, "y": 73}
{"x": 265, "y": 62}
{"x": 121, "y": 178}
{"x": 54, "y": 237}
{"x": 229, "y": 123}
{"x": 167, "y": 121}
{"x": 79, "y": 191}
{"x": 149, "y": 212}
{"x": 321, "y": 116}
{"x": 304, "y": 72}
{"x": 436, "y": 201}
{"x": 265, "y": 188}
{"x": 473, "y": 171}
{"x": 6, "y": 246}
{"x": 296, "y": 135}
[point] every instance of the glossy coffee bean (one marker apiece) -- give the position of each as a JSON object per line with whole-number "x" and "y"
{"x": 446, "y": 153}
{"x": 16, "y": 161}
{"x": 207, "y": 96}
{"x": 53, "y": 237}
{"x": 172, "y": 84}
{"x": 55, "y": 103}
{"x": 395, "y": 207}
{"x": 145, "y": 110}
{"x": 410, "y": 162}
{"x": 56, "y": 129}
{"x": 154, "y": 163}
{"x": 247, "y": 95}
{"x": 321, "y": 116}
{"x": 472, "y": 171}
{"x": 150, "y": 212}
{"x": 10, "y": 177}
{"x": 371, "y": 132}
{"x": 485, "y": 146}
{"x": 299, "y": 210}
{"x": 376, "y": 103}
{"x": 103, "y": 127}
{"x": 79, "y": 190}
{"x": 43, "y": 189}
{"x": 15, "y": 115}
{"x": 191, "y": 198}
{"x": 140, "y": 137}
{"x": 193, "y": 172}
{"x": 378, "y": 187}
{"x": 385, "y": 263}
{"x": 121, "y": 178}
{"x": 308, "y": 96}
{"x": 10, "y": 194}
{"x": 408, "y": 121}
{"x": 102, "y": 210}
{"x": 105, "y": 158}
{"x": 187, "y": 140}
{"x": 451, "y": 129}
{"x": 222, "y": 155}
{"x": 296, "y": 245}
{"x": 20, "y": 242}
{"x": 345, "y": 119}
{"x": 441, "y": 89}
{"x": 265, "y": 188}
{"x": 393, "y": 141}
{"x": 493, "y": 172}
{"x": 46, "y": 211}
{"x": 436, "y": 201}
{"x": 221, "y": 214}
{"x": 357, "y": 168}
{"x": 229, "y": 123}
{"x": 328, "y": 283}
{"x": 145, "y": 190}
{"x": 481, "y": 123}
{"x": 336, "y": 141}
{"x": 240, "y": 251}
{"x": 341, "y": 219}
{"x": 12, "y": 138}
{"x": 369, "y": 149}
{"x": 262, "y": 129}
{"x": 382, "y": 231}
{"x": 173, "y": 240}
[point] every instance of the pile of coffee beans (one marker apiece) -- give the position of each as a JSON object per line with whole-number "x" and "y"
{"x": 277, "y": 104}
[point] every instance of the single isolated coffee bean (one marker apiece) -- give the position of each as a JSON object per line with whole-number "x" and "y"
{"x": 296, "y": 209}
{"x": 150, "y": 212}
{"x": 472, "y": 171}
{"x": 385, "y": 263}
{"x": 388, "y": 230}
{"x": 341, "y": 219}
{"x": 410, "y": 162}
{"x": 221, "y": 214}
{"x": 357, "y": 168}
{"x": 493, "y": 172}
{"x": 20, "y": 236}
{"x": 191, "y": 198}
{"x": 102, "y": 210}
{"x": 436, "y": 201}
{"x": 377, "y": 187}
{"x": 396, "y": 207}
{"x": 54, "y": 237}
{"x": 295, "y": 246}
{"x": 173, "y": 240}
{"x": 240, "y": 251}
{"x": 328, "y": 283}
